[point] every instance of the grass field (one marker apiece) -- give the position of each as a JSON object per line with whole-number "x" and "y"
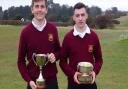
{"x": 115, "y": 55}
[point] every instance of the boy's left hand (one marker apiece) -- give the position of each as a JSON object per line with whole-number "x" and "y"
{"x": 51, "y": 57}
{"x": 93, "y": 77}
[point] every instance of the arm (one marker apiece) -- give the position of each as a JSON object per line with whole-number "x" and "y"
{"x": 21, "y": 57}
{"x": 64, "y": 60}
{"x": 57, "y": 46}
{"x": 97, "y": 56}
{"x": 55, "y": 55}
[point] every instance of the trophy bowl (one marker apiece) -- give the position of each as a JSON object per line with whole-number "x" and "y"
{"x": 85, "y": 79}
{"x": 85, "y": 68}
{"x": 40, "y": 60}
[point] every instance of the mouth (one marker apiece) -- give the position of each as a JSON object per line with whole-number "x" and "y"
{"x": 81, "y": 22}
{"x": 39, "y": 14}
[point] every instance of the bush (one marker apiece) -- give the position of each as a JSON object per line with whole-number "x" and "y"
{"x": 90, "y": 22}
{"x": 63, "y": 24}
{"x": 12, "y": 22}
{"x": 116, "y": 21}
{"x": 104, "y": 21}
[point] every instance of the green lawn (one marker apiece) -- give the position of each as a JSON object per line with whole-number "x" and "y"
{"x": 115, "y": 54}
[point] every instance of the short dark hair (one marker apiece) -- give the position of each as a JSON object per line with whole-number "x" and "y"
{"x": 80, "y": 5}
{"x": 46, "y": 2}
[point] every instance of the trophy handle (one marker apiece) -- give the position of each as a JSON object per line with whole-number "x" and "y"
{"x": 77, "y": 68}
{"x": 33, "y": 55}
{"x": 46, "y": 56}
{"x": 47, "y": 59}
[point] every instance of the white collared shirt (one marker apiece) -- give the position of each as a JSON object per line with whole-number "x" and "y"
{"x": 81, "y": 34}
{"x": 39, "y": 27}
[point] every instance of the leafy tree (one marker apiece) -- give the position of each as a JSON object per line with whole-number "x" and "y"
{"x": 11, "y": 12}
{"x": 5, "y": 15}
{"x": 17, "y": 17}
{"x": 114, "y": 10}
{"x": 94, "y": 11}
{"x": 1, "y": 13}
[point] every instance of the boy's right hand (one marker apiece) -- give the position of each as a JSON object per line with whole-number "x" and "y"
{"x": 76, "y": 77}
{"x": 32, "y": 85}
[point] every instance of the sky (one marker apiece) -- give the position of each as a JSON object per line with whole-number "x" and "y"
{"x": 103, "y": 4}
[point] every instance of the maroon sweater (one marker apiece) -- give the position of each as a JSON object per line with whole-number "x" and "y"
{"x": 34, "y": 41}
{"x": 77, "y": 50}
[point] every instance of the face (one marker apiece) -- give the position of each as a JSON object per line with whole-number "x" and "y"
{"x": 80, "y": 16}
{"x": 39, "y": 10}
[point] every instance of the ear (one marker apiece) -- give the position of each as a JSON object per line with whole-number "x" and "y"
{"x": 32, "y": 10}
{"x": 73, "y": 18}
{"x": 86, "y": 16}
{"x": 46, "y": 10}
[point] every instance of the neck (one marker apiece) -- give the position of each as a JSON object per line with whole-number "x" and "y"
{"x": 80, "y": 29}
{"x": 39, "y": 22}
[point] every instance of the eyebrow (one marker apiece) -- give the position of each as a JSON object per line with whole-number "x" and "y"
{"x": 39, "y": 5}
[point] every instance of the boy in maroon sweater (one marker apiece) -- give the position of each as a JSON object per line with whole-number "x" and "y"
{"x": 81, "y": 44}
{"x": 40, "y": 37}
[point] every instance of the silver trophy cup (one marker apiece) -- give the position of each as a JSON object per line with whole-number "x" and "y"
{"x": 85, "y": 67}
{"x": 40, "y": 60}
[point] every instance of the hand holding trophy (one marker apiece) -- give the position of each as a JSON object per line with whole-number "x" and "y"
{"x": 40, "y": 60}
{"x": 85, "y": 68}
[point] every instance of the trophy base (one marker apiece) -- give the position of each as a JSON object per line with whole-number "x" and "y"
{"x": 40, "y": 84}
{"x": 85, "y": 79}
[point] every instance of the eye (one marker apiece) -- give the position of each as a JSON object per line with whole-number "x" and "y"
{"x": 83, "y": 14}
{"x": 36, "y": 6}
{"x": 77, "y": 15}
{"x": 42, "y": 6}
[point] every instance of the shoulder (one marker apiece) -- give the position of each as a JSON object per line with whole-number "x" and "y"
{"x": 94, "y": 35}
{"x": 93, "y": 32}
{"x": 68, "y": 36}
{"x": 51, "y": 25}
{"x": 26, "y": 29}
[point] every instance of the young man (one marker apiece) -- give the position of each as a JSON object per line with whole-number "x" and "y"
{"x": 81, "y": 44}
{"x": 40, "y": 37}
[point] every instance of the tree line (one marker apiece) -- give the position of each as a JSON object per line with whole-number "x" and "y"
{"x": 61, "y": 14}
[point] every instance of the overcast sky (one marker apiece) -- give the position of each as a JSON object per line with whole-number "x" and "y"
{"x": 104, "y": 4}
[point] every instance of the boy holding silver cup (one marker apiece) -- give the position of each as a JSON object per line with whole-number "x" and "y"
{"x": 81, "y": 44}
{"x": 40, "y": 37}
{"x": 85, "y": 68}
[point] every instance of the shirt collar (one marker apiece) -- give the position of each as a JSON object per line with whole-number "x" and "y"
{"x": 81, "y": 34}
{"x": 39, "y": 27}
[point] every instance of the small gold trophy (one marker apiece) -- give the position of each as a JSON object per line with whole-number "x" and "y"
{"x": 85, "y": 67}
{"x": 40, "y": 60}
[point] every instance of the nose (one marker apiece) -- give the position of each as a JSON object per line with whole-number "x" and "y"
{"x": 80, "y": 17}
{"x": 39, "y": 8}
